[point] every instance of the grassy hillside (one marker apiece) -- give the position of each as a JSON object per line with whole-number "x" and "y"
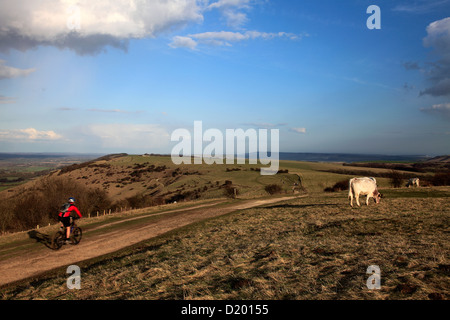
{"x": 309, "y": 248}
{"x": 126, "y": 176}
{"x": 121, "y": 181}
{"x": 315, "y": 247}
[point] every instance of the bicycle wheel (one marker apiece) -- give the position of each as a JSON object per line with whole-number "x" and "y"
{"x": 58, "y": 240}
{"x": 76, "y": 235}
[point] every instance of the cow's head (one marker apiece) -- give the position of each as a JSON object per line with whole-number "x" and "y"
{"x": 377, "y": 196}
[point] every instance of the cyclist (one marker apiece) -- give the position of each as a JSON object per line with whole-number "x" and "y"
{"x": 70, "y": 211}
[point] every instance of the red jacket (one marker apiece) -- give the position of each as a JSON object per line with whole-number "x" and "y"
{"x": 69, "y": 211}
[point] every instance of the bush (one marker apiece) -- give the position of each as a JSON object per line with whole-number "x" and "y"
{"x": 273, "y": 188}
{"x": 140, "y": 201}
{"x": 441, "y": 179}
{"x": 40, "y": 205}
{"x": 338, "y": 186}
{"x": 230, "y": 191}
{"x": 396, "y": 178}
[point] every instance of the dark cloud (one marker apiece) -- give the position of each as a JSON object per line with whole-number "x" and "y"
{"x": 82, "y": 45}
{"x": 411, "y": 65}
{"x": 438, "y": 89}
{"x": 438, "y": 73}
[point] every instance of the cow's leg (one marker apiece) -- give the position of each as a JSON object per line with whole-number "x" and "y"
{"x": 367, "y": 200}
{"x": 357, "y": 199}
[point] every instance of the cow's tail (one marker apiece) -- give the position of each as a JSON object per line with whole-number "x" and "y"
{"x": 350, "y": 191}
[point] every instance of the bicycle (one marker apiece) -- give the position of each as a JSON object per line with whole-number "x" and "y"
{"x": 59, "y": 237}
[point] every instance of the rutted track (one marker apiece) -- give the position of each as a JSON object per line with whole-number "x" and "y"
{"x": 29, "y": 263}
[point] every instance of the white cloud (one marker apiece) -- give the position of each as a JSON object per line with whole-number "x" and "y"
{"x": 264, "y": 125}
{"x": 299, "y": 130}
{"x": 183, "y": 42}
{"x": 88, "y": 26}
{"x": 129, "y": 136}
{"x": 421, "y": 6}
{"x": 442, "y": 110}
{"x": 29, "y": 134}
{"x": 438, "y": 37}
{"x": 235, "y": 19}
{"x": 10, "y": 72}
{"x": 232, "y": 11}
{"x": 6, "y": 100}
{"x": 101, "y": 110}
{"x": 229, "y": 3}
{"x": 225, "y": 38}
{"x": 112, "y": 110}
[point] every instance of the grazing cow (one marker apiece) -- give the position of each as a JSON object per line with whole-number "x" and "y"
{"x": 413, "y": 182}
{"x": 363, "y": 186}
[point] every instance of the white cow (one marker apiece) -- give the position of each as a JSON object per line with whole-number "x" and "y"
{"x": 413, "y": 182}
{"x": 363, "y": 186}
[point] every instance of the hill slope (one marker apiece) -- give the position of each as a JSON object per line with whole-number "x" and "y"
{"x": 312, "y": 247}
{"x": 444, "y": 159}
{"x": 32, "y": 258}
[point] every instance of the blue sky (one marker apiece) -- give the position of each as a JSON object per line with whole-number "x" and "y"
{"x": 98, "y": 76}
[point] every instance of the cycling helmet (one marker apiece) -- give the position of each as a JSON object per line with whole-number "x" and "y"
{"x": 71, "y": 200}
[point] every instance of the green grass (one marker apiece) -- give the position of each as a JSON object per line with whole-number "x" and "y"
{"x": 434, "y": 192}
{"x": 249, "y": 182}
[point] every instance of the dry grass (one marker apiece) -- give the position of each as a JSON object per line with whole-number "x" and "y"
{"x": 309, "y": 248}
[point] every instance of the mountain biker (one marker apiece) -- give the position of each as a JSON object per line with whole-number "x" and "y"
{"x": 71, "y": 211}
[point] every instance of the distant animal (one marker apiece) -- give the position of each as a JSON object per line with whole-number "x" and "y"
{"x": 413, "y": 182}
{"x": 363, "y": 186}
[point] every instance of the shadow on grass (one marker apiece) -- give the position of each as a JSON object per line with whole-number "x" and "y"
{"x": 298, "y": 206}
{"x": 43, "y": 238}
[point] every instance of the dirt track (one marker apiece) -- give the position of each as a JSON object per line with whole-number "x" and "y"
{"x": 35, "y": 262}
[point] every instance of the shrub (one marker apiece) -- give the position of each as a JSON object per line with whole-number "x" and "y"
{"x": 140, "y": 201}
{"x": 396, "y": 178}
{"x": 441, "y": 179}
{"x": 230, "y": 191}
{"x": 41, "y": 204}
{"x": 338, "y": 186}
{"x": 273, "y": 188}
